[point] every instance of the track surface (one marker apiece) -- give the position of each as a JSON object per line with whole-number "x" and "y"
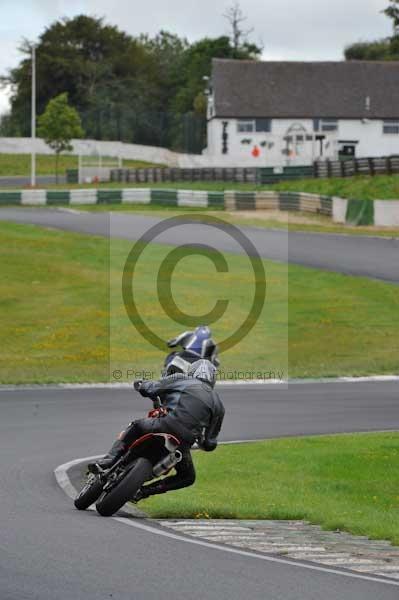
{"x": 49, "y": 550}
{"x": 377, "y": 258}
{"x": 21, "y": 181}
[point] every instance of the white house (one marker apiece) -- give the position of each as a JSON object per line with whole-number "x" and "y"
{"x": 292, "y": 113}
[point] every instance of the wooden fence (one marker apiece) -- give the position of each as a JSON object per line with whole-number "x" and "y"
{"x": 157, "y": 175}
{"x": 357, "y": 166}
{"x": 261, "y": 175}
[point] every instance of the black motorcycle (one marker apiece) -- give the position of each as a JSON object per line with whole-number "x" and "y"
{"x": 151, "y": 456}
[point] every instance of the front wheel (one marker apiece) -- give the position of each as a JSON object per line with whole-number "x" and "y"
{"x": 111, "y": 502}
{"x": 90, "y": 492}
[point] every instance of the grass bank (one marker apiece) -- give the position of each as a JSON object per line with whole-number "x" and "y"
{"x": 55, "y": 312}
{"x": 20, "y": 164}
{"x": 345, "y": 482}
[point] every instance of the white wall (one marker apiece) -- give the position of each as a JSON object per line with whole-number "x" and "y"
{"x": 372, "y": 142}
{"x": 271, "y": 155}
{"x": 88, "y": 147}
{"x": 125, "y": 151}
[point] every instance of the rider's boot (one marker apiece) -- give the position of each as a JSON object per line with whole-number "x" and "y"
{"x": 149, "y": 490}
{"x": 118, "y": 449}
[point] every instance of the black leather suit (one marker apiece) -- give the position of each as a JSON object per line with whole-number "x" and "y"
{"x": 195, "y": 412}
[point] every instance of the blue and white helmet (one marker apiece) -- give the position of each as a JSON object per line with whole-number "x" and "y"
{"x": 204, "y": 370}
{"x": 198, "y": 343}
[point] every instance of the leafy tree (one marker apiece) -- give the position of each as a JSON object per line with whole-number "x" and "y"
{"x": 384, "y": 49}
{"x": 392, "y": 11}
{"x": 58, "y": 125}
{"x": 92, "y": 61}
{"x": 377, "y": 50}
{"x": 147, "y": 90}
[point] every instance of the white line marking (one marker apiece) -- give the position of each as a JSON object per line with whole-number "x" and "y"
{"x": 242, "y": 382}
{"x": 61, "y": 474}
{"x": 73, "y": 211}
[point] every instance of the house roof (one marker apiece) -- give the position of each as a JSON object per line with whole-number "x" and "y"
{"x": 305, "y": 89}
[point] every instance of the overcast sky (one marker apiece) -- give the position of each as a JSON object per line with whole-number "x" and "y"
{"x": 287, "y": 29}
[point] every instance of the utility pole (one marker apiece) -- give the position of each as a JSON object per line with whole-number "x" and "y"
{"x": 33, "y": 124}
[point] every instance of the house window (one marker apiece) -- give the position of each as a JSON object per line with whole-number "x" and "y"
{"x": 391, "y": 127}
{"x": 258, "y": 125}
{"x": 264, "y": 125}
{"x": 325, "y": 125}
{"x": 245, "y": 126}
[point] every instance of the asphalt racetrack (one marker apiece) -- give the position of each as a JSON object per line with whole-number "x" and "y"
{"x": 377, "y": 258}
{"x": 48, "y": 550}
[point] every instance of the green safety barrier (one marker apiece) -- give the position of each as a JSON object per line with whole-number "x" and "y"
{"x": 109, "y": 196}
{"x": 216, "y": 199}
{"x": 360, "y": 212}
{"x": 168, "y": 197}
{"x": 55, "y": 197}
{"x": 10, "y": 197}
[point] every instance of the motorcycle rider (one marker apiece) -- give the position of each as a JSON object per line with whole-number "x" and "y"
{"x": 193, "y": 412}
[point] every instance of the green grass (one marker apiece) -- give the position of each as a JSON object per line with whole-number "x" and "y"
{"x": 361, "y": 187}
{"x": 380, "y": 187}
{"x": 55, "y": 312}
{"x": 345, "y": 482}
{"x": 20, "y": 164}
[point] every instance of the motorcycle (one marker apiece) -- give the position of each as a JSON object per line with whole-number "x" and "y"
{"x": 149, "y": 457}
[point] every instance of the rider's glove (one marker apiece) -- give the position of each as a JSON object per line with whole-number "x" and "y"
{"x": 137, "y": 384}
{"x": 157, "y": 412}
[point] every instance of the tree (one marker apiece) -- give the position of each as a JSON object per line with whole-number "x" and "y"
{"x": 145, "y": 90}
{"x": 392, "y": 11}
{"x": 97, "y": 64}
{"x": 383, "y": 49}
{"x": 239, "y": 36}
{"x": 58, "y": 125}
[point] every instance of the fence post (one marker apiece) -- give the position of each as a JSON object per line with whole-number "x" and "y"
{"x": 371, "y": 166}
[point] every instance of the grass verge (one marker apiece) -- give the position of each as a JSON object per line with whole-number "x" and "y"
{"x": 20, "y": 164}
{"x": 55, "y": 312}
{"x": 345, "y": 482}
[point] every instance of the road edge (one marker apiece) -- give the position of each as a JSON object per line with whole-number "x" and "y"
{"x": 5, "y": 387}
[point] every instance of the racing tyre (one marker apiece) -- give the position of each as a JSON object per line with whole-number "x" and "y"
{"x": 109, "y": 503}
{"x": 90, "y": 492}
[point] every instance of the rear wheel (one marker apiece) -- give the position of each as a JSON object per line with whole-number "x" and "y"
{"x": 111, "y": 502}
{"x": 90, "y": 492}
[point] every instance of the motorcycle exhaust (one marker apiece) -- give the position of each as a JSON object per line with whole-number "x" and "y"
{"x": 167, "y": 463}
